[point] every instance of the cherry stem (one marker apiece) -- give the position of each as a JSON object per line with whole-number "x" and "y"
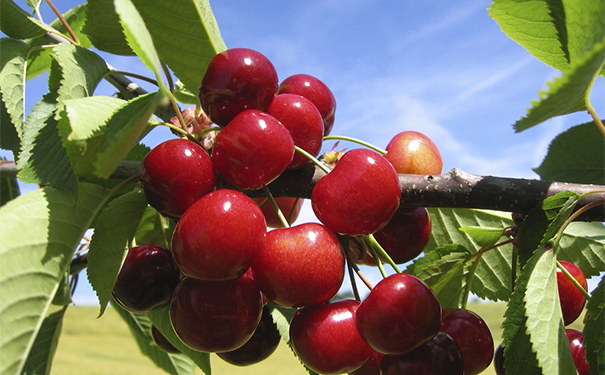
{"x": 375, "y": 256}
{"x": 352, "y": 265}
{"x": 313, "y": 159}
{"x": 376, "y": 245}
{"x": 355, "y": 140}
{"x": 168, "y": 76}
{"x": 278, "y": 211}
{"x": 345, "y": 245}
{"x": 573, "y": 280}
{"x": 595, "y": 117}
{"x": 73, "y": 35}
{"x": 469, "y": 279}
{"x": 133, "y": 75}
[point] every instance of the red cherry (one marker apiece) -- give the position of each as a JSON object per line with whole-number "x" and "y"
{"x": 236, "y": 80}
{"x": 572, "y": 300}
{"x": 253, "y": 150}
{"x": 300, "y": 266}
{"x": 578, "y": 352}
{"x": 260, "y": 346}
{"x": 314, "y": 90}
{"x": 215, "y": 316}
{"x": 499, "y": 361}
{"x": 400, "y": 314}
{"x": 359, "y": 196}
{"x": 371, "y": 366}
{"x": 290, "y": 207}
{"x": 146, "y": 280}
{"x": 162, "y": 342}
{"x": 473, "y": 337}
{"x": 175, "y": 174}
{"x": 414, "y": 153}
{"x": 406, "y": 234}
{"x": 219, "y": 236}
{"x": 325, "y": 338}
{"x": 303, "y": 121}
{"x": 438, "y": 356}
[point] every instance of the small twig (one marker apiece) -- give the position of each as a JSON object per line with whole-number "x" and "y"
{"x": 73, "y": 35}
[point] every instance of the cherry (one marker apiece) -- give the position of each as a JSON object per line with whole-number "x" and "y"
{"x": 260, "y": 346}
{"x": 499, "y": 361}
{"x": 578, "y": 352}
{"x": 326, "y": 339}
{"x": 290, "y": 207}
{"x": 359, "y": 196}
{"x": 406, "y": 234}
{"x": 473, "y": 337}
{"x": 414, "y": 153}
{"x": 253, "y": 150}
{"x": 572, "y": 300}
{"x": 219, "y": 236}
{"x": 438, "y": 356}
{"x": 303, "y": 121}
{"x": 215, "y": 316}
{"x": 300, "y": 266}
{"x": 371, "y": 366}
{"x": 162, "y": 342}
{"x": 175, "y": 174}
{"x": 400, "y": 314}
{"x": 146, "y": 280}
{"x": 236, "y": 80}
{"x": 314, "y": 90}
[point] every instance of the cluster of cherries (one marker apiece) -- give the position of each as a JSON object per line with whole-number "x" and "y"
{"x": 224, "y": 265}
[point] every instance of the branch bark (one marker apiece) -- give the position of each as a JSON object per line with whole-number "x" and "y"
{"x": 455, "y": 189}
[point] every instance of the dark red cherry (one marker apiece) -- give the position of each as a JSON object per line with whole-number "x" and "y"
{"x": 162, "y": 342}
{"x": 219, "y": 236}
{"x": 406, "y": 234}
{"x": 253, "y": 150}
{"x": 438, "y": 356}
{"x": 175, "y": 174}
{"x": 215, "y": 316}
{"x": 260, "y": 346}
{"x": 326, "y": 339}
{"x": 236, "y": 80}
{"x": 303, "y": 121}
{"x": 578, "y": 352}
{"x": 400, "y": 314}
{"x": 314, "y": 90}
{"x": 499, "y": 361}
{"x": 146, "y": 280}
{"x": 371, "y": 366}
{"x": 572, "y": 300}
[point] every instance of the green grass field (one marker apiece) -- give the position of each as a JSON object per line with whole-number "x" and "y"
{"x": 91, "y": 346}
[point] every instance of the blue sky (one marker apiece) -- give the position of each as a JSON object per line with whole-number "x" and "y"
{"x": 442, "y": 68}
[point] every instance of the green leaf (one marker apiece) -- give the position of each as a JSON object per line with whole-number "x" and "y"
{"x": 12, "y": 86}
{"x": 16, "y": 23}
{"x": 584, "y": 245}
{"x": 575, "y": 156}
{"x": 124, "y": 129}
{"x": 492, "y": 278}
{"x": 39, "y": 233}
{"x": 9, "y": 189}
{"x": 445, "y": 271}
{"x": 43, "y": 350}
{"x": 544, "y": 318}
{"x": 183, "y": 95}
{"x": 585, "y": 26}
{"x": 161, "y": 319}
{"x": 568, "y": 93}
{"x": 103, "y": 28}
{"x": 594, "y": 330}
{"x": 155, "y": 229}
{"x": 186, "y": 46}
{"x": 62, "y": 296}
{"x": 484, "y": 237}
{"x": 110, "y": 242}
{"x": 9, "y": 139}
{"x": 140, "y": 327}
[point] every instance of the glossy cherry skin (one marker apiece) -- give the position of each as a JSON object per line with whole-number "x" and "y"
{"x": 219, "y": 236}
{"x": 175, "y": 174}
{"x": 303, "y": 121}
{"x": 146, "y": 279}
{"x": 314, "y": 90}
{"x": 499, "y": 361}
{"x": 236, "y": 80}
{"x": 290, "y": 207}
{"x": 578, "y": 352}
{"x": 359, "y": 196}
{"x": 253, "y": 150}
{"x": 260, "y": 346}
{"x": 371, "y": 366}
{"x": 406, "y": 234}
{"x": 215, "y": 316}
{"x": 162, "y": 342}
{"x": 572, "y": 300}
{"x": 438, "y": 356}
{"x": 299, "y": 266}
{"x": 400, "y": 314}
{"x": 326, "y": 339}
{"x": 473, "y": 337}
{"x": 414, "y": 153}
